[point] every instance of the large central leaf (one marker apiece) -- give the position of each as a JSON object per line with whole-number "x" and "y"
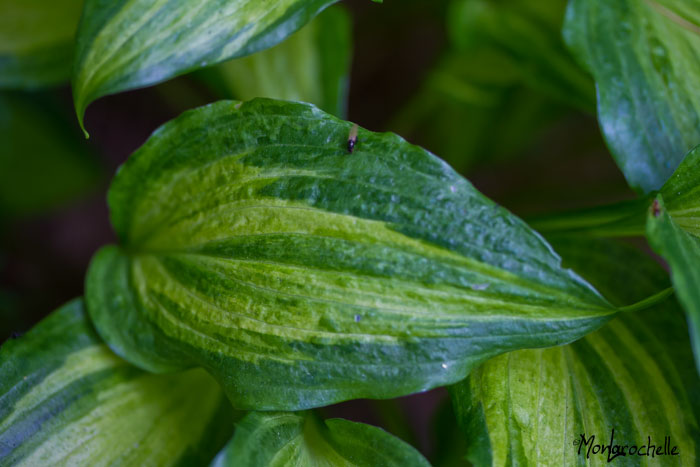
{"x": 299, "y": 274}
{"x": 130, "y": 44}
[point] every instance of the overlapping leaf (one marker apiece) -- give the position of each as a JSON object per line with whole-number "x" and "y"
{"x": 635, "y": 375}
{"x": 310, "y": 66}
{"x": 299, "y": 274}
{"x": 299, "y": 439}
{"x": 673, "y": 229}
{"x": 66, "y": 399}
{"x": 130, "y": 44}
{"x": 682, "y": 251}
{"x": 643, "y": 56}
{"x": 36, "y": 42}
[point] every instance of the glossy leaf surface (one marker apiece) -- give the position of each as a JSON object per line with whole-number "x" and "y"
{"x": 310, "y": 66}
{"x": 531, "y": 407}
{"x": 299, "y": 274}
{"x": 300, "y": 439}
{"x": 643, "y": 56}
{"x": 66, "y": 399}
{"x": 36, "y": 42}
{"x": 125, "y": 45}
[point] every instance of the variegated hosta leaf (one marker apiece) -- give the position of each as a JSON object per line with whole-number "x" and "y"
{"x": 36, "y": 42}
{"x": 643, "y": 56}
{"x": 66, "y": 399}
{"x": 300, "y": 439}
{"x": 314, "y": 62}
{"x": 635, "y": 375}
{"x": 130, "y": 44}
{"x": 300, "y": 274}
{"x": 682, "y": 251}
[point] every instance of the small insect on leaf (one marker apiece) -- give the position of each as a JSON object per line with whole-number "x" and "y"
{"x": 352, "y": 139}
{"x": 656, "y": 208}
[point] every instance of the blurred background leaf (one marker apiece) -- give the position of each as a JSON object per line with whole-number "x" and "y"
{"x": 310, "y": 66}
{"x": 36, "y": 42}
{"x": 504, "y": 79}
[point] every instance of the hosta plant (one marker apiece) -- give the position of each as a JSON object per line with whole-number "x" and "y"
{"x": 273, "y": 259}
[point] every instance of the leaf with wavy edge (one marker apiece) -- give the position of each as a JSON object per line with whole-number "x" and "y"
{"x": 300, "y": 439}
{"x": 314, "y": 61}
{"x": 634, "y": 375}
{"x": 36, "y": 42}
{"x": 124, "y": 45}
{"x": 255, "y": 245}
{"x": 643, "y": 55}
{"x": 66, "y": 399}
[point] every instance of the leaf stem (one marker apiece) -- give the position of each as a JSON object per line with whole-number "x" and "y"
{"x": 648, "y": 302}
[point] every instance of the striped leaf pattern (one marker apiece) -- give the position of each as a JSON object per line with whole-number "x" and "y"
{"x": 66, "y": 399}
{"x": 36, "y": 42}
{"x": 643, "y": 57}
{"x": 300, "y": 439}
{"x": 299, "y": 274}
{"x": 128, "y": 44}
{"x": 635, "y": 375}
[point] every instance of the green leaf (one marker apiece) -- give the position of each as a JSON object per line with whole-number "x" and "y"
{"x": 66, "y": 399}
{"x": 40, "y": 172}
{"x": 673, "y": 230}
{"x": 300, "y": 439}
{"x": 682, "y": 251}
{"x": 643, "y": 57}
{"x": 36, "y": 42}
{"x": 506, "y": 77}
{"x": 299, "y": 274}
{"x": 531, "y": 407}
{"x": 314, "y": 62}
{"x": 130, "y": 44}
{"x": 682, "y": 193}
{"x": 470, "y": 109}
